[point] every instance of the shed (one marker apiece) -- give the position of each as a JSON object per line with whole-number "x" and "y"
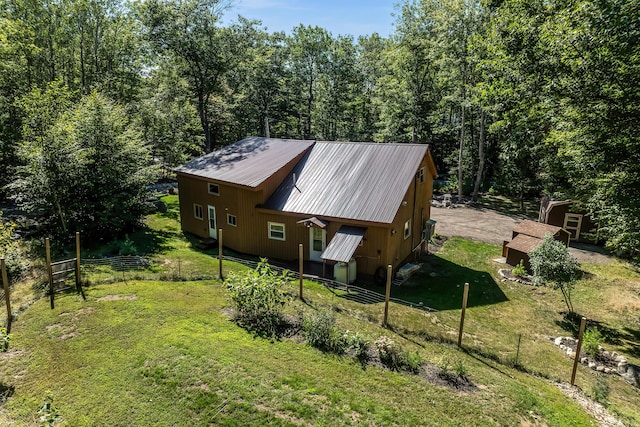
{"x": 526, "y": 237}
{"x": 568, "y": 215}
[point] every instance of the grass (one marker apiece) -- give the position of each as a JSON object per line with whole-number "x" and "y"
{"x": 510, "y": 206}
{"x": 169, "y": 355}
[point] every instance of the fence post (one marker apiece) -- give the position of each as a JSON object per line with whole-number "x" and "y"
{"x": 220, "y": 253}
{"x": 49, "y": 270}
{"x": 465, "y": 295}
{"x": 301, "y": 266}
{"x": 583, "y": 323}
{"x": 5, "y": 283}
{"x": 387, "y": 295}
{"x": 78, "y": 278}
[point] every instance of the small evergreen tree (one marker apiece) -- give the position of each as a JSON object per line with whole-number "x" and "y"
{"x": 552, "y": 265}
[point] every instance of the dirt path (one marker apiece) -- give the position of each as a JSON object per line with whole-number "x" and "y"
{"x": 485, "y": 225}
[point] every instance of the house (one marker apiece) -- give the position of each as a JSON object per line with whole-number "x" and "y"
{"x": 568, "y": 215}
{"x": 527, "y": 236}
{"x": 366, "y": 204}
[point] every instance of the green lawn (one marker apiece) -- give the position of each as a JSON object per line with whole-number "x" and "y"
{"x": 165, "y": 353}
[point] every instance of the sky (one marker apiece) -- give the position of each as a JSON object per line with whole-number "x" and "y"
{"x": 339, "y": 17}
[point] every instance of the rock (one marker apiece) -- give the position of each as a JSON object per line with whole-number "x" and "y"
{"x": 614, "y": 355}
{"x": 607, "y": 370}
{"x": 563, "y": 347}
{"x": 570, "y": 352}
{"x": 606, "y": 354}
{"x": 621, "y": 359}
{"x": 622, "y": 368}
{"x": 558, "y": 341}
{"x": 584, "y": 360}
{"x": 592, "y": 365}
{"x": 600, "y": 368}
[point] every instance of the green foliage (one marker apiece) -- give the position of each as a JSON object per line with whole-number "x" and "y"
{"x": 258, "y": 297}
{"x": 10, "y": 250}
{"x": 360, "y": 346}
{"x": 320, "y": 331}
{"x": 519, "y": 270}
{"x": 48, "y": 413}
{"x": 600, "y": 391}
{"x": 4, "y": 339}
{"x": 127, "y": 247}
{"x": 451, "y": 372}
{"x": 85, "y": 169}
{"x": 553, "y": 265}
{"x": 395, "y": 357}
{"x": 592, "y": 339}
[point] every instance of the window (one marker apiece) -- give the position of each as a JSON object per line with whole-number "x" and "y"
{"x": 214, "y": 189}
{"x": 197, "y": 211}
{"x": 421, "y": 175}
{"x": 276, "y": 231}
{"x": 407, "y": 228}
{"x": 232, "y": 220}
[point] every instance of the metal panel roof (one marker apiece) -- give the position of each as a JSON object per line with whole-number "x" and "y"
{"x": 351, "y": 180}
{"x": 247, "y": 162}
{"x": 343, "y": 244}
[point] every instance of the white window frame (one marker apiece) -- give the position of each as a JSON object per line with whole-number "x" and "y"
{"x": 271, "y": 231}
{"x": 407, "y": 229}
{"x": 209, "y": 184}
{"x": 233, "y": 223}
{"x": 196, "y": 208}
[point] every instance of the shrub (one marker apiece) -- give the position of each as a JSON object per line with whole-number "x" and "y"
{"x": 320, "y": 330}
{"x": 127, "y": 247}
{"x": 600, "y": 391}
{"x": 551, "y": 263}
{"x": 395, "y": 358}
{"x": 49, "y": 415}
{"x": 10, "y": 250}
{"x": 360, "y": 346}
{"x": 519, "y": 270}
{"x": 259, "y": 299}
{"x": 591, "y": 341}
{"x": 4, "y": 339}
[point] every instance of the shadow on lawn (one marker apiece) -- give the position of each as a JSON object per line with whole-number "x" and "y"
{"x": 440, "y": 285}
{"x": 627, "y": 338}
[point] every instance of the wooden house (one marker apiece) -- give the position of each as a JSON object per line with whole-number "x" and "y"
{"x": 527, "y": 236}
{"x": 347, "y": 202}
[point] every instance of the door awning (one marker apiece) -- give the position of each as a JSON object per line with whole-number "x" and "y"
{"x": 313, "y": 222}
{"x": 344, "y": 244}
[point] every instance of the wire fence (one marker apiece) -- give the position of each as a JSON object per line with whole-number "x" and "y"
{"x": 418, "y": 322}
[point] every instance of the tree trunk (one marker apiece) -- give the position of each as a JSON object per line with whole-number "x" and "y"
{"x": 462, "y": 119}
{"x": 476, "y": 187}
{"x": 266, "y": 126}
{"x": 307, "y": 131}
{"x": 204, "y": 120}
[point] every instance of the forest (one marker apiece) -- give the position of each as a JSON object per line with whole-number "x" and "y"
{"x": 522, "y": 98}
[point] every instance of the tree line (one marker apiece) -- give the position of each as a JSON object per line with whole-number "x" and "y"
{"x": 519, "y": 97}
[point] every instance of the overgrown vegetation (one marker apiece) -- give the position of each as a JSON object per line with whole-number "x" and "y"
{"x": 15, "y": 261}
{"x": 5, "y": 338}
{"x": 259, "y": 298}
{"x": 519, "y": 270}
{"x": 320, "y": 330}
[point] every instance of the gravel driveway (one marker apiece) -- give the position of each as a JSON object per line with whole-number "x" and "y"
{"x": 485, "y": 225}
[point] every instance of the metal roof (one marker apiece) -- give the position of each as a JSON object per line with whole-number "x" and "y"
{"x": 536, "y": 229}
{"x": 248, "y": 162}
{"x": 351, "y": 180}
{"x": 343, "y": 244}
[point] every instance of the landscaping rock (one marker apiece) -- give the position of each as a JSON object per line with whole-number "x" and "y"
{"x": 607, "y": 370}
{"x": 592, "y": 365}
{"x": 600, "y": 368}
{"x": 584, "y": 360}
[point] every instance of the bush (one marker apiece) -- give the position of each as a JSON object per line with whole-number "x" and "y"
{"x": 591, "y": 341}
{"x": 551, "y": 263}
{"x": 320, "y": 331}
{"x": 259, "y": 299}
{"x": 600, "y": 391}
{"x": 4, "y": 340}
{"x": 519, "y": 270}
{"x": 360, "y": 346}
{"x": 395, "y": 358}
{"x": 127, "y": 247}
{"x": 10, "y": 250}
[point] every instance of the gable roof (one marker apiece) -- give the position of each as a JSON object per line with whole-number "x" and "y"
{"x": 351, "y": 180}
{"x": 536, "y": 229}
{"x": 248, "y": 162}
{"x": 524, "y": 243}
